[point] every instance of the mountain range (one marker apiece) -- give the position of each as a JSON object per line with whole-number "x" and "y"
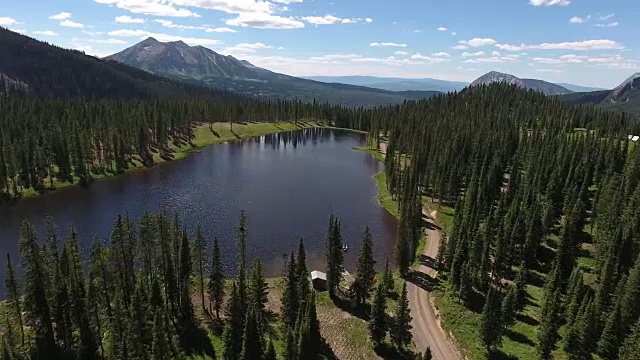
{"x": 625, "y": 97}
{"x": 199, "y": 65}
{"x": 395, "y": 84}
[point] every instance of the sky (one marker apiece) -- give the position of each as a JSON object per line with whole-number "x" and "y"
{"x": 583, "y": 42}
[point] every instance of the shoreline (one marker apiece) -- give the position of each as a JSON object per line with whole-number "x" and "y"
{"x": 203, "y": 137}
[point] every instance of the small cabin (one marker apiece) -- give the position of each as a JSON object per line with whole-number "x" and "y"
{"x": 319, "y": 280}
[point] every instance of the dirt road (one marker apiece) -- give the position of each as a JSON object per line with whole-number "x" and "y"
{"x": 426, "y": 324}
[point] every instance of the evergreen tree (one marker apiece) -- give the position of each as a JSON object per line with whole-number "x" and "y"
{"x": 387, "y": 279}
{"x": 401, "y": 329}
{"x": 365, "y": 268}
{"x": 258, "y": 292}
{"x": 215, "y": 288}
{"x": 427, "y": 354}
{"x": 630, "y": 349}
{"x": 270, "y": 354}
{"x": 302, "y": 271}
{"x": 252, "y": 347}
{"x": 233, "y": 331}
{"x": 491, "y": 326}
{"x": 12, "y": 290}
{"x": 548, "y": 330}
{"x": 290, "y": 297}
{"x": 378, "y": 321}
{"x": 160, "y": 349}
{"x": 199, "y": 251}
{"x": 334, "y": 255}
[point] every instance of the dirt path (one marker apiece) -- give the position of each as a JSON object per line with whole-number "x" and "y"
{"x": 426, "y": 323}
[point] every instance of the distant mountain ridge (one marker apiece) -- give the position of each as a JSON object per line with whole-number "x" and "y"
{"x": 395, "y": 84}
{"x": 534, "y": 84}
{"x": 200, "y": 65}
{"x": 624, "y": 97}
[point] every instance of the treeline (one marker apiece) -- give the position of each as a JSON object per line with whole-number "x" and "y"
{"x": 138, "y": 296}
{"x": 46, "y": 141}
{"x": 536, "y": 185}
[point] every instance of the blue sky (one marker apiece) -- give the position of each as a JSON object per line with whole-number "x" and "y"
{"x": 585, "y": 42}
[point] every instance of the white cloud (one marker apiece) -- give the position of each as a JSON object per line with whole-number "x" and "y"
{"x": 613, "y": 24}
{"x": 580, "y": 59}
{"x": 231, "y": 6}
{"x": 369, "y": 20}
{"x": 61, "y": 16}
{"x": 6, "y": 21}
{"x": 549, "y": 70}
{"x": 92, "y": 33}
{"x": 245, "y": 48}
{"x": 416, "y": 31}
{"x": 580, "y": 46}
{"x": 401, "y": 53}
{"x": 71, "y": 24}
{"x": 19, "y": 31}
{"x": 495, "y": 53}
{"x": 150, "y": 7}
{"x": 109, "y": 41}
{"x": 477, "y": 42}
{"x": 428, "y": 59}
{"x": 387, "y": 44}
{"x": 454, "y": 33}
{"x": 46, "y": 33}
{"x": 288, "y": 1}
{"x": 549, "y": 2}
{"x": 442, "y": 28}
{"x": 142, "y": 34}
{"x": 328, "y": 20}
{"x": 220, "y": 30}
{"x": 265, "y": 21}
{"x": 441, "y": 54}
{"x": 492, "y": 59}
{"x": 330, "y": 57}
{"x": 170, "y": 24}
{"x": 577, "y": 20}
{"x": 459, "y": 47}
{"x": 466, "y": 54}
{"x": 280, "y": 47}
{"x": 607, "y": 17}
{"x": 129, "y": 20}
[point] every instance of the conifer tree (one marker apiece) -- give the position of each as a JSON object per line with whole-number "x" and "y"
{"x": 258, "y": 292}
{"x": 199, "y": 251}
{"x": 365, "y": 268}
{"x": 290, "y": 297}
{"x": 233, "y": 331}
{"x": 13, "y": 296}
{"x": 378, "y": 321}
{"x": 333, "y": 254}
{"x": 401, "y": 330}
{"x": 252, "y": 347}
{"x": 160, "y": 349}
{"x": 427, "y": 354}
{"x": 302, "y": 271}
{"x": 270, "y": 354}
{"x": 241, "y": 240}
{"x": 548, "y": 329}
{"x": 215, "y": 288}
{"x": 491, "y": 326}
{"x": 387, "y": 279}
{"x": 630, "y": 349}
{"x": 186, "y": 267}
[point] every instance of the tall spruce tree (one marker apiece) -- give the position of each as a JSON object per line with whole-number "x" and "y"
{"x": 12, "y": 290}
{"x": 491, "y": 326}
{"x": 378, "y": 321}
{"x": 215, "y": 287}
{"x": 365, "y": 272}
{"x": 401, "y": 329}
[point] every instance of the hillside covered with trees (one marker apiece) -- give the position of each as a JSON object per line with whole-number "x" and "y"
{"x": 545, "y": 194}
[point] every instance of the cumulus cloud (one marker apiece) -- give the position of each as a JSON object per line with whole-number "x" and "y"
{"x": 142, "y": 34}
{"x": 150, "y": 7}
{"x": 454, "y": 33}
{"x": 579, "y": 45}
{"x": 245, "y": 48}
{"x": 369, "y": 20}
{"x": 428, "y": 59}
{"x": 387, "y": 44}
{"x": 460, "y": 47}
{"x": 129, "y": 20}
{"x": 607, "y": 17}
{"x": 288, "y": 1}
{"x": 92, "y": 33}
{"x": 612, "y": 24}
{"x": 220, "y": 30}
{"x": 231, "y": 6}
{"x": 549, "y": 2}
{"x": 46, "y": 33}
{"x": 6, "y": 21}
{"x": 330, "y": 57}
{"x": 19, "y": 31}
{"x": 61, "y": 16}
{"x": 265, "y": 21}
{"x": 401, "y": 53}
{"x": 495, "y": 53}
{"x": 577, "y": 20}
{"x": 492, "y": 59}
{"x": 477, "y": 42}
{"x": 580, "y": 59}
{"x": 71, "y": 24}
{"x": 328, "y": 20}
{"x": 479, "y": 53}
{"x": 441, "y": 54}
{"x": 442, "y": 28}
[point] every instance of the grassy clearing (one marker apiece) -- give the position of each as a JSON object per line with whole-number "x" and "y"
{"x": 203, "y": 136}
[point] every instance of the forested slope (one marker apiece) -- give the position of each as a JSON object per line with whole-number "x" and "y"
{"x": 543, "y": 192}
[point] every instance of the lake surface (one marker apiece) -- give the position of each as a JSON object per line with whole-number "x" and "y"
{"x": 288, "y": 184}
